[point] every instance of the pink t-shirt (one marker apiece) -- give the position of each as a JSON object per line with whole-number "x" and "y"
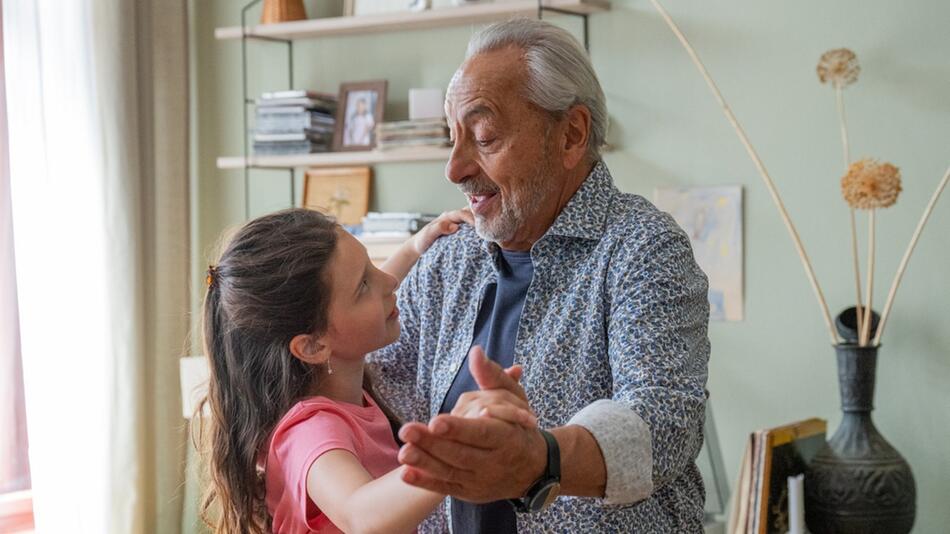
{"x": 310, "y": 428}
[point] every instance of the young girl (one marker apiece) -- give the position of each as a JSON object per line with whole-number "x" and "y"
{"x": 299, "y": 443}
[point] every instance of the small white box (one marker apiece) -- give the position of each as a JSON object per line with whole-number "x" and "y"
{"x": 426, "y": 104}
{"x": 194, "y": 374}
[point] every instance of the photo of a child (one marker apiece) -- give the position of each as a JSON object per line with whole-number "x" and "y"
{"x": 359, "y": 122}
{"x": 359, "y": 111}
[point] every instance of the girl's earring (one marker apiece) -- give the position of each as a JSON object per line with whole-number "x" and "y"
{"x": 329, "y": 367}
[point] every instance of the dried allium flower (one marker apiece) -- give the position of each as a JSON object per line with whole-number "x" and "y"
{"x": 870, "y": 185}
{"x": 839, "y": 66}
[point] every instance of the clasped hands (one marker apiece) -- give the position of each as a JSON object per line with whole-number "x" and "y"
{"x": 489, "y": 448}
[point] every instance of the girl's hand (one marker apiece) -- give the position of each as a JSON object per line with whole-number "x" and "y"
{"x": 445, "y": 224}
{"x": 498, "y": 403}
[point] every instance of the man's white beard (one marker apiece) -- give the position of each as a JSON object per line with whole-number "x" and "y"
{"x": 516, "y": 211}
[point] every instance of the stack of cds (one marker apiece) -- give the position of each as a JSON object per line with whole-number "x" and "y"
{"x": 412, "y": 133}
{"x": 394, "y": 224}
{"x": 383, "y": 233}
{"x": 294, "y": 122}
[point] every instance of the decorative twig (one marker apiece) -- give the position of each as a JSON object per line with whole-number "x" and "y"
{"x": 910, "y": 249}
{"x": 839, "y": 99}
{"x": 866, "y": 330}
{"x": 759, "y": 165}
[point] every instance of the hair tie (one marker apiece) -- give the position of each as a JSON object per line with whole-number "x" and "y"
{"x": 212, "y": 275}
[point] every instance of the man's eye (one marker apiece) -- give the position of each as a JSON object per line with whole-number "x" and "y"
{"x": 484, "y": 142}
{"x": 364, "y": 284}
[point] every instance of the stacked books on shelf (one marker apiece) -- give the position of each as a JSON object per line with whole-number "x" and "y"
{"x": 761, "y": 501}
{"x": 412, "y": 133}
{"x": 389, "y": 223}
{"x": 294, "y": 122}
{"x": 383, "y": 233}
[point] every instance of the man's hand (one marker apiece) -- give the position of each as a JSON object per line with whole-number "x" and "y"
{"x": 482, "y": 459}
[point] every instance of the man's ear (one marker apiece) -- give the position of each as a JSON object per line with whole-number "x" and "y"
{"x": 309, "y": 348}
{"x": 576, "y": 135}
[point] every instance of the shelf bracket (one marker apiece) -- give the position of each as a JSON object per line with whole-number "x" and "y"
{"x": 248, "y": 101}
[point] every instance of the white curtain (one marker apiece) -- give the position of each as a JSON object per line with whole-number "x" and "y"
{"x": 97, "y": 94}
{"x": 14, "y": 469}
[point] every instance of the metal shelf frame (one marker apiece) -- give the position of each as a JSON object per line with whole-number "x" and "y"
{"x": 248, "y": 101}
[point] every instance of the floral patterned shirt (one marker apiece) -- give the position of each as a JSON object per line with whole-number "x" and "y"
{"x": 613, "y": 337}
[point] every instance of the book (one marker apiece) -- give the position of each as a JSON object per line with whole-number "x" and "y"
{"x": 298, "y": 93}
{"x": 412, "y": 125}
{"x": 315, "y": 137}
{"x": 395, "y": 222}
{"x": 395, "y": 215}
{"x": 760, "y": 504}
{"x": 418, "y": 132}
{"x": 288, "y": 148}
{"x": 739, "y": 513}
{"x": 409, "y": 134}
{"x": 788, "y": 448}
{"x": 429, "y": 141}
{"x": 291, "y": 120}
{"x": 309, "y": 103}
{"x": 267, "y": 111}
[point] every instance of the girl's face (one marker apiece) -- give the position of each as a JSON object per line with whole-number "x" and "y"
{"x": 363, "y": 316}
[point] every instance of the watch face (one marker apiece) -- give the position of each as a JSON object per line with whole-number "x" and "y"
{"x": 544, "y": 496}
{"x": 553, "y": 492}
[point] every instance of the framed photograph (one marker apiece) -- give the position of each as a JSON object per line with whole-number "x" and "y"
{"x": 359, "y": 110}
{"x": 342, "y": 192}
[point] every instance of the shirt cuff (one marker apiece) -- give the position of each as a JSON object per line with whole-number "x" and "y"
{"x": 624, "y": 440}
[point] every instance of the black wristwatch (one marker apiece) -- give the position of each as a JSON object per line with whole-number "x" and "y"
{"x": 546, "y": 489}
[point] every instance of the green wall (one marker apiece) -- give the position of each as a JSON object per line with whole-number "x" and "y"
{"x": 777, "y": 365}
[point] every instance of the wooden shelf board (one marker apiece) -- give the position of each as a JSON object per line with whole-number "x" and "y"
{"x": 432, "y": 18}
{"x": 337, "y": 159}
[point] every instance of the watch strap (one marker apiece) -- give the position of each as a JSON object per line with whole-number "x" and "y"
{"x": 552, "y": 474}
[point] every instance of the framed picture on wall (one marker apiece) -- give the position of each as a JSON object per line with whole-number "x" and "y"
{"x": 359, "y": 110}
{"x": 342, "y": 192}
{"x": 712, "y": 217}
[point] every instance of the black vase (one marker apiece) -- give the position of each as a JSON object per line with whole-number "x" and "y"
{"x": 858, "y": 482}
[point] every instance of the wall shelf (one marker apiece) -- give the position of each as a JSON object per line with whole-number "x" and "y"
{"x": 433, "y": 18}
{"x": 287, "y": 32}
{"x": 336, "y": 159}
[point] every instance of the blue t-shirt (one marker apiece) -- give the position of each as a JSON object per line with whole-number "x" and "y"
{"x": 496, "y": 328}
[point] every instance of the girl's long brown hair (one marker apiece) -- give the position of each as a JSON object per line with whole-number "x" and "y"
{"x": 268, "y": 286}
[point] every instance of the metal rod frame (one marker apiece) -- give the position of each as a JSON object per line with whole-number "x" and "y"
{"x": 542, "y": 8}
{"x": 250, "y": 101}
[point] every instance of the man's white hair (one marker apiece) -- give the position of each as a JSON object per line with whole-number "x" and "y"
{"x": 559, "y": 71}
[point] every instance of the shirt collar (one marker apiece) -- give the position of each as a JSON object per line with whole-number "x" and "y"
{"x": 585, "y": 213}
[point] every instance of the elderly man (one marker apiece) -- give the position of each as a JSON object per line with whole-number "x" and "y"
{"x": 595, "y": 293}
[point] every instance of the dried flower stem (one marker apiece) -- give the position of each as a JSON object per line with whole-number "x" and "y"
{"x": 857, "y": 269}
{"x": 910, "y": 249}
{"x": 866, "y": 326}
{"x": 839, "y": 99}
{"x": 759, "y": 165}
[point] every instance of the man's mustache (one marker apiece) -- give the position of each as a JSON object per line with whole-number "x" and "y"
{"x": 478, "y": 187}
